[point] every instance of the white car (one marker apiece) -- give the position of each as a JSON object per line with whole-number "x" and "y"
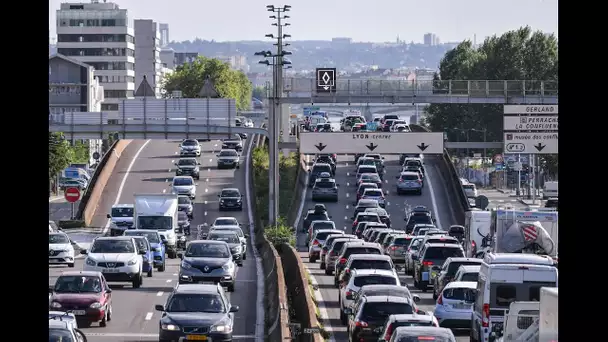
{"x": 470, "y": 190}
{"x": 67, "y": 317}
{"x": 64, "y": 331}
{"x": 225, "y": 221}
{"x": 117, "y": 258}
{"x": 190, "y": 147}
{"x": 184, "y": 185}
{"x": 61, "y": 251}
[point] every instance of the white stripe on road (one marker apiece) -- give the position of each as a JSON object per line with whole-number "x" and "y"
{"x": 149, "y": 316}
{"x": 159, "y": 294}
{"x": 124, "y": 180}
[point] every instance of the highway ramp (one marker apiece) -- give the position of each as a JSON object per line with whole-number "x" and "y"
{"x": 134, "y": 318}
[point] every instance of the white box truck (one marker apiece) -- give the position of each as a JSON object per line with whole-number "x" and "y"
{"x": 158, "y": 212}
{"x": 524, "y": 231}
{"x": 548, "y": 314}
{"x": 477, "y": 232}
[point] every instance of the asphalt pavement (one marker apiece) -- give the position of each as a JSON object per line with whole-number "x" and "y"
{"x": 149, "y": 169}
{"x": 434, "y": 197}
{"x": 60, "y": 209}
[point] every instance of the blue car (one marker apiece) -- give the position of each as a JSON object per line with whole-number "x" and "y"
{"x": 158, "y": 248}
{"x": 143, "y": 244}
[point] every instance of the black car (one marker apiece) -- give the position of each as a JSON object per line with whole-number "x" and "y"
{"x": 418, "y": 217}
{"x": 231, "y": 199}
{"x": 317, "y": 214}
{"x": 327, "y": 160}
{"x": 196, "y": 310}
{"x": 235, "y": 143}
{"x": 188, "y": 167}
{"x": 315, "y": 172}
{"x": 372, "y": 314}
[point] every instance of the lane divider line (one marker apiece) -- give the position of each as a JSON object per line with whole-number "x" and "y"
{"x": 260, "y": 317}
{"x": 122, "y": 183}
{"x": 149, "y": 316}
{"x": 159, "y": 294}
{"x": 434, "y": 201}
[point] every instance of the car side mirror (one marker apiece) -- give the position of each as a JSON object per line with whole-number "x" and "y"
{"x": 218, "y": 195}
{"x": 234, "y": 308}
{"x": 159, "y": 307}
{"x": 51, "y": 289}
{"x": 416, "y": 298}
{"x": 309, "y": 171}
{"x": 198, "y": 163}
{"x": 83, "y": 251}
{"x": 180, "y": 255}
{"x": 348, "y": 311}
{"x": 108, "y": 216}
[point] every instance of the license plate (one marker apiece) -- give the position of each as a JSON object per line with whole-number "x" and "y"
{"x": 207, "y": 283}
{"x": 79, "y": 312}
{"x": 196, "y": 338}
{"x": 110, "y": 270}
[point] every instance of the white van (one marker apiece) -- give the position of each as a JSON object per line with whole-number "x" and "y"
{"x": 505, "y": 278}
{"x": 476, "y": 227}
{"x": 550, "y": 190}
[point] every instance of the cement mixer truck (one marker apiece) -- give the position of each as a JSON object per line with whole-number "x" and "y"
{"x": 524, "y": 231}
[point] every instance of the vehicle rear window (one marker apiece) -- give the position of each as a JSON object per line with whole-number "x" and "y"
{"x": 505, "y": 295}
{"x": 381, "y": 236}
{"x": 368, "y": 218}
{"x": 413, "y": 324}
{"x": 413, "y": 163}
{"x": 381, "y": 310}
{"x": 458, "y": 293}
{"x": 474, "y": 276}
{"x": 338, "y": 245}
{"x": 441, "y": 240}
{"x": 374, "y": 193}
{"x": 402, "y": 242}
{"x": 367, "y": 169}
{"x": 453, "y": 268}
{"x": 409, "y": 177}
{"x": 361, "y": 250}
{"x": 443, "y": 253}
{"x": 468, "y": 186}
{"x": 317, "y": 169}
{"x": 363, "y": 264}
{"x": 318, "y": 217}
{"x": 425, "y": 337}
{"x": 374, "y": 280}
{"x": 322, "y": 235}
{"x": 324, "y": 185}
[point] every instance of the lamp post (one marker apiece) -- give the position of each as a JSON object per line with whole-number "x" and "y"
{"x": 274, "y": 117}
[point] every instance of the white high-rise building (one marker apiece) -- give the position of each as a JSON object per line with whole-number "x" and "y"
{"x": 147, "y": 54}
{"x": 101, "y": 35}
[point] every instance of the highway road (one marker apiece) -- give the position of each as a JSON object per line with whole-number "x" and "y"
{"x": 147, "y": 167}
{"x": 433, "y": 197}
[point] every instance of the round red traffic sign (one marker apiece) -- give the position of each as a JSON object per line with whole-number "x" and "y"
{"x": 72, "y": 194}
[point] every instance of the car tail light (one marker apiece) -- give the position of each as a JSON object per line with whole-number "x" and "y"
{"x": 389, "y": 332}
{"x": 393, "y": 248}
{"x": 343, "y": 261}
{"x": 420, "y": 181}
{"x": 426, "y": 338}
{"x": 361, "y": 324}
{"x": 347, "y": 270}
{"x": 440, "y": 299}
{"x": 355, "y": 223}
{"x": 315, "y": 243}
{"x": 485, "y": 316}
{"x": 348, "y": 293}
{"x": 427, "y": 263}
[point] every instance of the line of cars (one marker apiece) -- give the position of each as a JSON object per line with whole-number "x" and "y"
{"x": 374, "y": 304}
{"x": 197, "y": 308}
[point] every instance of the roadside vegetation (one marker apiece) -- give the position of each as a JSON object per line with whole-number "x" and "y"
{"x": 324, "y": 332}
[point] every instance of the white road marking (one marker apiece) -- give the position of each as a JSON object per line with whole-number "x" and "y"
{"x": 206, "y": 190}
{"x": 175, "y": 152}
{"x": 205, "y": 202}
{"x": 347, "y": 195}
{"x": 169, "y": 280}
{"x": 386, "y": 181}
{"x": 388, "y": 203}
{"x": 348, "y": 174}
{"x": 207, "y": 179}
{"x": 164, "y": 191}
{"x": 208, "y": 170}
{"x": 149, "y": 316}
{"x": 159, "y": 294}
{"x": 215, "y": 145}
{"x": 345, "y": 218}
{"x": 122, "y": 183}
{"x": 175, "y": 274}
{"x": 347, "y": 207}
{"x": 169, "y": 170}
{"x": 434, "y": 201}
{"x": 167, "y": 180}
{"x": 210, "y": 160}
{"x": 205, "y": 213}
{"x": 172, "y": 161}
{"x": 260, "y": 314}
{"x": 347, "y": 184}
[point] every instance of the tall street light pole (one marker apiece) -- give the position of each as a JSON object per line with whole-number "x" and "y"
{"x": 274, "y": 116}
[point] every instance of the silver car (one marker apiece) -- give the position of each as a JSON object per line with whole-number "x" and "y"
{"x": 325, "y": 189}
{"x": 397, "y": 248}
{"x": 409, "y": 182}
{"x": 207, "y": 261}
{"x": 233, "y": 143}
{"x": 184, "y": 185}
{"x": 412, "y": 250}
{"x": 190, "y": 147}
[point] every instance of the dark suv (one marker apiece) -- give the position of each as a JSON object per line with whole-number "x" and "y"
{"x": 188, "y": 167}
{"x": 231, "y": 198}
{"x": 430, "y": 259}
{"x": 316, "y": 214}
{"x": 196, "y": 312}
{"x": 371, "y": 313}
{"x": 316, "y": 171}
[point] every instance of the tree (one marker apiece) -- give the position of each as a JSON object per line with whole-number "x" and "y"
{"x": 60, "y": 154}
{"x": 190, "y": 77}
{"x": 259, "y": 92}
{"x": 516, "y": 55}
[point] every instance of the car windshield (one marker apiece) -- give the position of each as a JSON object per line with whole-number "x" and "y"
{"x": 196, "y": 302}
{"x": 368, "y": 218}
{"x": 226, "y": 222}
{"x": 207, "y": 250}
{"x": 182, "y": 181}
{"x": 361, "y": 250}
{"x": 373, "y": 178}
{"x": 322, "y": 235}
{"x": 60, "y": 335}
{"x": 367, "y": 169}
{"x": 460, "y": 293}
{"x": 112, "y": 246}
{"x": 183, "y": 200}
{"x": 455, "y": 265}
{"x": 228, "y": 238}
{"x": 237, "y": 231}
{"x": 58, "y": 239}
{"x": 78, "y": 284}
{"x": 229, "y": 153}
{"x": 442, "y": 239}
{"x": 154, "y": 222}
{"x": 443, "y": 253}
{"x": 421, "y": 219}
{"x": 230, "y": 193}
{"x": 374, "y": 279}
{"x": 324, "y": 185}
{"x": 363, "y": 264}
{"x": 402, "y": 242}
{"x": 152, "y": 237}
{"x": 473, "y": 276}
{"x": 409, "y": 177}
{"x": 122, "y": 212}
{"x": 381, "y": 310}
{"x": 367, "y": 204}
{"x": 189, "y": 143}
{"x": 187, "y": 162}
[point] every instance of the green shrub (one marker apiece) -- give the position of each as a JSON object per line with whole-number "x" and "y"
{"x": 281, "y": 233}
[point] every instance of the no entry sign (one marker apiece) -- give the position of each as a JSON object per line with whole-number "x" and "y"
{"x": 72, "y": 194}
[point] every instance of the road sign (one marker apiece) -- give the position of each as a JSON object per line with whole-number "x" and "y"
{"x": 368, "y": 142}
{"x": 531, "y": 109}
{"x": 531, "y": 123}
{"x": 72, "y": 194}
{"x": 371, "y": 126}
{"x": 531, "y": 143}
{"x": 326, "y": 80}
{"x": 307, "y": 110}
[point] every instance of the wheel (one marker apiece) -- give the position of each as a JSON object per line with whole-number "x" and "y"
{"x": 342, "y": 317}
{"x": 245, "y": 256}
{"x": 161, "y": 268}
{"x": 327, "y": 272}
{"x": 71, "y": 265}
{"x": 434, "y": 294}
{"x": 109, "y": 314}
{"x": 322, "y": 266}
{"x": 231, "y": 287}
{"x": 151, "y": 272}
{"x": 311, "y": 259}
{"x": 138, "y": 281}
{"x": 104, "y": 320}
{"x": 172, "y": 254}
{"x": 416, "y": 284}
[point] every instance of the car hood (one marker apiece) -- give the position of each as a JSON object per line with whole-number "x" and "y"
{"x": 59, "y": 246}
{"x": 190, "y": 147}
{"x": 230, "y": 198}
{"x": 231, "y": 142}
{"x": 111, "y": 257}
{"x": 187, "y": 167}
{"x": 194, "y": 318}
{"x": 228, "y": 158}
{"x": 76, "y": 298}
{"x": 211, "y": 262}
{"x": 183, "y": 187}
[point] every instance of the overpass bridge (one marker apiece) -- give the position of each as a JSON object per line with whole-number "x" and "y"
{"x": 349, "y": 91}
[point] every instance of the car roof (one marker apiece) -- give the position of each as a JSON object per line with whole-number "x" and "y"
{"x": 371, "y": 189}
{"x": 362, "y": 166}
{"x": 222, "y": 232}
{"x": 463, "y": 259}
{"x": 367, "y": 272}
{"x": 143, "y": 230}
{"x": 461, "y": 284}
{"x": 367, "y": 213}
{"x": 228, "y": 149}
{"x": 408, "y": 173}
{"x": 195, "y": 288}
{"x": 58, "y": 324}
{"x": 361, "y": 244}
{"x": 182, "y": 177}
{"x": 114, "y": 238}
{"x": 327, "y": 231}
{"x": 369, "y": 257}
{"x": 410, "y": 317}
{"x": 210, "y": 242}
{"x": 81, "y": 273}
{"x": 187, "y": 158}
{"x": 418, "y": 331}
{"x": 225, "y": 218}
{"x": 325, "y": 180}
{"x": 322, "y": 164}
{"x": 449, "y": 245}
{"x": 226, "y": 227}
{"x": 379, "y": 287}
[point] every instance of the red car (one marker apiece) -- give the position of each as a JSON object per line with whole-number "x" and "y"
{"x": 86, "y": 294}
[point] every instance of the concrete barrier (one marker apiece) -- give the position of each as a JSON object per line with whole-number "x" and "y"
{"x": 90, "y": 200}
{"x": 301, "y": 305}
{"x": 446, "y": 167}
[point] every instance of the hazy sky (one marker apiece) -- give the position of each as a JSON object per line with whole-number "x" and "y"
{"x": 379, "y": 20}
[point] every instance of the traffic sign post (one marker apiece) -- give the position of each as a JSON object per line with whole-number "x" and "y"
{"x": 371, "y": 142}
{"x": 72, "y": 195}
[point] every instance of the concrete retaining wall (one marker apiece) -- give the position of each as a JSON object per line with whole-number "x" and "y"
{"x": 90, "y": 200}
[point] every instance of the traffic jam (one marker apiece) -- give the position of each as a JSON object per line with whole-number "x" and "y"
{"x": 492, "y": 278}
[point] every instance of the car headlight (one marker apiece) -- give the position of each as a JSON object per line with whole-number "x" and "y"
{"x": 95, "y": 305}
{"x": 55, "y": 305}
{"x": 227, "y": 267}
{"x": 132, "y": 262}
{"x": 90, "y": 262}
{"x": 222, "y": 327}
{"x": 186, "y": 265}
{"x": 171, "y": 327}
{"x": 222, "y": 201}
